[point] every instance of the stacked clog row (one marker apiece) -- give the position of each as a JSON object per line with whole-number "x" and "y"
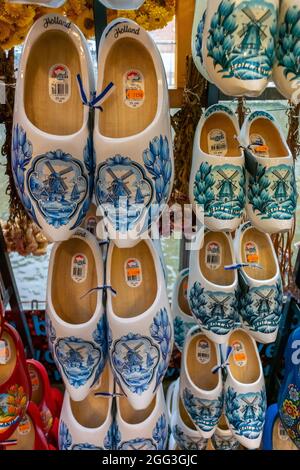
{"x": 240, "y": 45}
{"x": 29, "y": 406}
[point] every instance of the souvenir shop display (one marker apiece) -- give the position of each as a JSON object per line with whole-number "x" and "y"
{"x": 131, "y": 352}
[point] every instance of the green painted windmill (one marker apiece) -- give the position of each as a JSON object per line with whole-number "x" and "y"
{"x": 253, "y": 32}
{"x": 249, "y": 409}
{"x": 226, "y": 186}
{"x": 281, "y": 186}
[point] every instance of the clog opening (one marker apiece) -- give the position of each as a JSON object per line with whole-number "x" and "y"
{"x": 243, "y": 361}
{"x": 256, "y": 248}
{"x": 92, "y": 412}
{"x": 133, "y": 105}
{"x": 269, "y": 139}
{"x": 223, "y": 424}
{"x": 213, "y": 256}
{"x": 74, "y": 275}
{"x": 182, "y": 296}
{"x": 51, "y": 97}
{"x": 133, "y": 275}
{"x": 200, "y": 367}
{"x": 37, "y": 384}
{"x": 219, "y": 136}
{"x": 132, "y": 416}
{"x": 24, "y": 435}
{"x": 9, "y": 355}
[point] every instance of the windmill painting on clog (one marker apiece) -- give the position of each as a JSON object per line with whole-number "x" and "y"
{"x": 147, "y": 429}
{"x": 76, "y": 322}
{"x": 271, "y": 183}
{"x": 239, "y": 44}
{"x": 286, "y": 72}
{"x": 212, "y": 289}
{"x": 197, "y": 36}
{"x": 261, "y": 299}
{"x": 201, "y": 387}
{"x": 132, "y": 135}
{"x": 88, "y": 424}
{"x": 217, "y": 180}
{"x": 245, "y": 393}
{"x": 182, "y": 316}
{"x": 140, "y": 323}
{"x": 52, "y": 155}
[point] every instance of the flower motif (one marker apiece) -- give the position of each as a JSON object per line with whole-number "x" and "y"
{"x": 290, "y": 409}
{"x": 293, "y": 393}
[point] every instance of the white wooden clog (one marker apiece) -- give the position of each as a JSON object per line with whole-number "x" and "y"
{"x": 197, "y": 36}
{"x": 52, "y": 155}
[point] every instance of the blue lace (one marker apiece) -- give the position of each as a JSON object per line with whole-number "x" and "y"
{"x": 225, "y": 364}
{"x": 105, "y": 287}
{"x": 96, "y": 101}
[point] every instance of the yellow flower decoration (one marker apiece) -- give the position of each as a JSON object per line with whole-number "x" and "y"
{"x": 153, "y": 14}
{"x": 86, "y": 23}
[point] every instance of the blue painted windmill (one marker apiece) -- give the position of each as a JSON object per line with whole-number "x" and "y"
{"x": 133, "y": 358}
{"x": 54, "y": 185}
{"x": 264, "y": 304}
{"x": 253, "y": 32}
{"x": 206, "y": 410}
{"x": 226, "y": 186}
{"x": 74, "y": 358}
{"x": 281, "y": 186}
{"x": 218, "y": 306}
{"x": 118, "y": 188}
{"x": 249, "y": 409}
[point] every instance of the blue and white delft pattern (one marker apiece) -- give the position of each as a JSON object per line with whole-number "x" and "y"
{"x": 272, "y": 193}
{"x": 224, "y": 443}
{"x": 215, "y": 311}
{"x": 241, "y": 39}
{"x": 288, "y": 45}
{"x": 204, "y": 413}
{"x": 185, "y": 442}
{"x": 220, "y": 189}
{"x": 136, "y": 358}
{"x": 246, "y": 412}
{"x": 157, "y": 442}
{"x": 181, "y": 329}
{"x": 65, "y": 440}
{"x": 261, "y": 308}
{"x": 100, "y": 338}
{"x": 218, "y": 108}
{"x": 50, "y": 332}
{"x": 199, "y": 37}
{"x": 124, "y": 191}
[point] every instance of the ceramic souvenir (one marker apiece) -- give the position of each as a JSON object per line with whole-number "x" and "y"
{"x": 201, "y": 386}
{"x": 245, "y": 394}
{"x": 147, "y": 429}
{"x": 132, "y": 135}
{"x": 261, "y": 299}
{"x": 286, "y": 72}
{"x": 212, "y": 289}
{"x": 183, "y": 319}
{"x": 75, "y": 319}
{"x": 239, "y": 44}
{"x": 217, "y": 180}
{"x": 271, "y": 183}
{"x": 88, "y": 424}
{"x": 52, "y": 155}
{"x": 140, "y": 325}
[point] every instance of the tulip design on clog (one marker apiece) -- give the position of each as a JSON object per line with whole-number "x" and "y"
{"x": 88, "y": 424}
{"x": 15, "y": 386}
{"x": 197, "y": 36}
{"x": 245, "y": 394}
{"x": 182, "y": 316}
{"x": 217, "y": 180}
{"x": 261, "y": 299}
{"x": 76, "y": 322}
{"x": 286, "y": 72}
{"x": 271, "y": 184}
{"x": 147, "y": 430}
{"x": 139, "y": 318}
{"x": 212, "y": 289}
{"x": 52, "y": 154}
{"x": 201, "y": 388}
{"x": 132, "y": 136}
{"x": 239, "y": 44}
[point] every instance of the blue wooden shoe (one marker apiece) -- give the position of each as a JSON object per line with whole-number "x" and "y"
{"x": 289, "y": 395}
{"x": 275, "y": 436}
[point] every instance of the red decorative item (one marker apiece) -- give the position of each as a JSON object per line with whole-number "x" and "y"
{"x": 15, "y": 386}
{"x": 29, "y": 434}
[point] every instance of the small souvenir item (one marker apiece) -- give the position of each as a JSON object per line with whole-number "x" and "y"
{"x": 271, "y": 184}
{"x": 197, "y": 36}
{"x": 52, "y": 155}
{"x": 88, "y": 424}
{"x": 183, "y": 430}
{"x": 223, "y": 439}
{"x": 217, "y": 180}
{"x": 122, "y": 4}
{"x": 29, "y": 433}
{"x": 286, "y": 72}
{"x": 275, "y": 436}
{"x": 201, "y": 387}
{"x": 132, "y": 136}
{"x": 75, "y": 322}
{"x": 289, "y": 395}
{"x": 183, "y": 319}
{"x": 239, "y": 44}
{"x": 140, "y": 323}
{"x": 245, "y": 394}
{"x": 212, "y": 287}
{"x": 15, "y": 385}
{"x": 261, "y": 300}
{"x": 146, "y": 429}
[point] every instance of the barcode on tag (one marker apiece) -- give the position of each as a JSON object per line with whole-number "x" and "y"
{"x": 60, "y": 89}
{"x": 79, "y": 268}
{"x": 217, "y": 142}
{"x": 59, "y": 83}
{"x": 133, "y": 272}
{"x": 213, "y": 256}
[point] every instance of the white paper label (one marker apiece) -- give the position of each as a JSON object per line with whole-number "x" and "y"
{"x": 213, "y": 255}
{"x": 259, "y": 146}
{"x": 203, "y": 351}
{"x": 59, "y": 83}
{"x": 133, "y": 272}
{"x": 5, "y": 352}
{"x": 79, "y": 267}
{"x": 134, "y": 89}
{"x": 24, "y": 426}
{"x": 217, "y": 142}
{"x": 239, "y": 354}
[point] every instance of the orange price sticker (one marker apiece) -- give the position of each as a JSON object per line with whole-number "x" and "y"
{"x": 262, "y": 149}
{"x": 135, "y": 95}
